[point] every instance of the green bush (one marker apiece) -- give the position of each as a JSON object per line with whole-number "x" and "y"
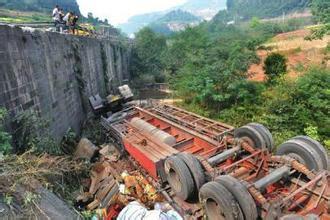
{"x": 290, "y": 108}
{"x": 275, "y": 66}
{"x": 311, "y": 99}
{"x": 32, "y": 133}
{"x": 5, "y": 138}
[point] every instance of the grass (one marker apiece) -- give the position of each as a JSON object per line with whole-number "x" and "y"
{"x": 10, "y": 16}
{"x": 327, "y": 49}
{"x": 297, "y": 50}
{"x": 299, "y": 67}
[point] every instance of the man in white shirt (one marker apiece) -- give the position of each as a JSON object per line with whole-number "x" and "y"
{"x": 56, "y": 17}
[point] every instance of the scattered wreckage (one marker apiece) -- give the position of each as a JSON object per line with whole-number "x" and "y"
{"x": 204, "y": 168}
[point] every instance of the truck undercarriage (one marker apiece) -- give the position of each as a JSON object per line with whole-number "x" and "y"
{"x": 209, "y": 169}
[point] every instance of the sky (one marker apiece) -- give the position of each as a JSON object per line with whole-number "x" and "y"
{"x": 119, "y": 11}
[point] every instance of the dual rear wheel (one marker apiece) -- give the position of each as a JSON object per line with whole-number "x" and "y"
{"x": 307, "y": 151}
{"x": 302, "y": 148}
{"x": 186, "y": 175}
{"x": 227, "y": 198}
{"x": 257, "y": 135}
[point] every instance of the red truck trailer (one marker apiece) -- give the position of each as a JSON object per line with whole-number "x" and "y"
{"x": 208, "y": 168}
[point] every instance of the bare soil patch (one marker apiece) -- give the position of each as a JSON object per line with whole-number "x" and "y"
{"x": 299, "y": 52}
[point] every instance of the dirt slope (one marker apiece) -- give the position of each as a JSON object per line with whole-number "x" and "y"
{"x": 299, "y": 52}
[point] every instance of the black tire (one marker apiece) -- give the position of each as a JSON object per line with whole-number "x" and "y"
{"x": 179, "y": 177}
{"x": 195, "y": 168}
{"x": 265, "y": 133}
{"x": 241, "y": 194}
{"x": 250, "y": 135}
{"x": 317, "y": 147}
{"x": 302, "y": 152}
{"x": 219, "y": 203}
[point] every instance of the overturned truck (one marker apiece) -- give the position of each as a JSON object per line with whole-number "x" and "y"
{"x": 210, "y": 169}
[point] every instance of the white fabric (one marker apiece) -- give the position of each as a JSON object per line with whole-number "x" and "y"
{"x": 56, "y": 14}
{"x": 135, "y": 211}
{"x": 66, "y": 17}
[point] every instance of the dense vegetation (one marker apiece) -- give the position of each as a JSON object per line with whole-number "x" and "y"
{"x": 28, "y": 11}
{"x": 39, "y": 5}
{"x": 5, "y": 138}
{"x": 207, "y": 66}
{"x": 321, "y": 12}
{"x": 147, "y": 65}
{"x": 289, "y": 108}
{"x": 246, "y": 9}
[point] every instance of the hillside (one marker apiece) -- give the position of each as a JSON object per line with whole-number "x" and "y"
{"x": 138, "y": 21}
{"x": 246, "y": 9}
{"x": 205, "y": 9}
{"x": 174, "y": 21}
{"x": 300, "y": 53}
{"x": 39, "y": 5}
{"x": 30, "y": 11}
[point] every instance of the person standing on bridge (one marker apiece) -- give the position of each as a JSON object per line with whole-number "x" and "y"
{"x": 56, "y": 17}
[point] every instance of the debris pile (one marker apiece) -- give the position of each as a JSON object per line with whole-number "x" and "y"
{"x": 114, "y": 183}
{"x": 103, "y": 188}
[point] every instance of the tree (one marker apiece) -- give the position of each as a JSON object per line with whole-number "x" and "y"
{"x": 211, "y": 71}
{"x": 275, "y": 66}
{"x": 147, "y": 52}
{"x": 255, "y": 22}
{"x": 321, "y": 12}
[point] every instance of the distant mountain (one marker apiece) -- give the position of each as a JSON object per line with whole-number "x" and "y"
{"x": 173, "y": 21}
{"x": 204, "y": 9}
{"x": 39, "y": 5}
{"x": 138, "y": 21}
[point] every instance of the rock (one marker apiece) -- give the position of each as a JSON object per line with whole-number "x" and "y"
{"x": 52, "y": 207}
{"x": 46, "y": 206}
{"x": 85, "y": 149}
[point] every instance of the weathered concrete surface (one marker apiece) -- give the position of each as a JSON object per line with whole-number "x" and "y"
{"x": 46, "y": 206}
{"x": 54, "y": 74}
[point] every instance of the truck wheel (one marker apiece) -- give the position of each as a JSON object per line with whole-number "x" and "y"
{"x": 317, "y": 147}
{"x": 219, "y": 203}
{"x": 241, "y": 194}
{"x": 265, "y": 133}
{"x": 250, "y": 135}
{"x": 179, "y": 177}
{"x": 195, "y": 168}
{"x": 302, "y": 152}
